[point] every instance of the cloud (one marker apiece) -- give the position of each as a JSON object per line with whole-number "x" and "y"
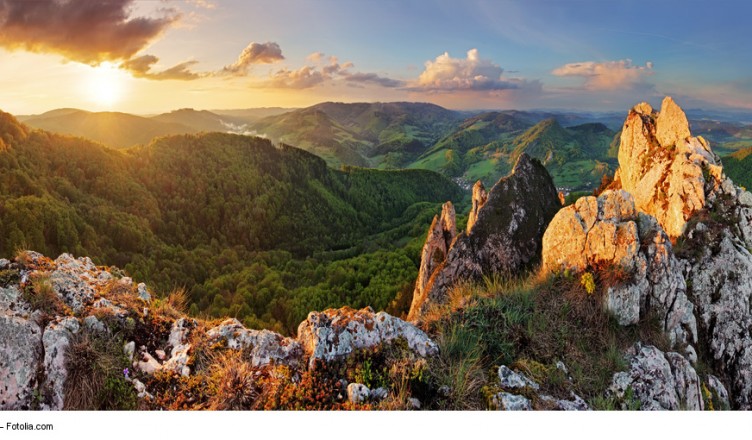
{"x": 608, "y": 75}
{"x": 303, "y": 78}
{"x": 254, "y": 53}
{"x": 315, "y": 57}
{"x": 471, "y": 73}
{"x": 140, "y": 67}
{"x": 86, "y": 31}
{"x": 372, "y": 78}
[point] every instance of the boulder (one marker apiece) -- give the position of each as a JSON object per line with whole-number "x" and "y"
{"x": 357, "y": 393}
{"x": 505, "y": 238}
{"x": 658, "y": 381}
{"x": 511, "y": 402}
{"x": 266, "y": 347}
{"x": 335, "y": 333}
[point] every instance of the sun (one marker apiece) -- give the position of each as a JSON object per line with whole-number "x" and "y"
{"x": 104, "y": 84}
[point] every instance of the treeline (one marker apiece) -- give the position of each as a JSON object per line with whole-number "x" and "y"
{"x": 262, "y": 233}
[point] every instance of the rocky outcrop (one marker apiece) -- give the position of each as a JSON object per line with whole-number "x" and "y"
{"x": 720, "y": 276}
{"x": 505, "y": 238}
{"x": 658, "y": 381}
{"x": 263, "y": 346}
{"x": 607, "y": 233}
{"x": 668, "y": 172}
{"x": 678, "y": 180}
{"x": 480, "y": 197}
{"x": 441, "y": 234}
{"x": 335, "y": 333}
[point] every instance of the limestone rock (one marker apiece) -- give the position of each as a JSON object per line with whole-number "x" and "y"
{"x": 335, "y": 333}
{"x": 668, "y": 172}
{"x": 442, "y": 232}
{"x": 56, "y": 340}
{"x": 659, "y": 381}
{"x": 357, "y": 393}
{"x": 480, "y": 197}
{"x": 143, "y": 293}
{"x": 510, "y": 380}
{"x": 379, "y": 394}
{"x": 607, "y": 231}
{"x": 20, "y": 354}
{"x": 266, "y": 347}
{"x": 672, "y": 126}
{"x": 506, "y": 237}
{"x": 511, "y": 402}
{"x": 721, "y": 285}
{"x": 718, "y": 390}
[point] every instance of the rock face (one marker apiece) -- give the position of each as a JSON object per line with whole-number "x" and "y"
{"x": 678, "y": 180}
{"x": 506, "y": 237}
{"x": 659, "y": 381}
{"x": 441, "y": 234}
{"x": 56, "y": 339}
{"x": 598, "y": 233}
{"x": 668, "y": 172}
{"x": 335, "y": 333}
{"x": 721, "y": 285}
{"x": 19, "y": 352}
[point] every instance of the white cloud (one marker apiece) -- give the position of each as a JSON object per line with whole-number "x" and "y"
{"x": 471, "y": 73}
{"x": 607, "y": 75}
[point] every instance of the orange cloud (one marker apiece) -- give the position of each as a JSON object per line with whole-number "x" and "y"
{"x": 608, "y": 75}
{"x": 140, "y": 67}
{"x": 86, "y": 31}
{"x": 254, "y": 53}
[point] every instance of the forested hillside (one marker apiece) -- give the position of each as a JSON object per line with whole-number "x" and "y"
{"x": 251, "y": 230}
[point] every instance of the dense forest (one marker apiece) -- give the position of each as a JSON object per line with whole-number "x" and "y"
{"x": 261, "y": 232}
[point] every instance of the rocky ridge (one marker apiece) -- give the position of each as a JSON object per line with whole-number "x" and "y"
{"x": 76, "y": 298}
{"x": 680, "y": 236}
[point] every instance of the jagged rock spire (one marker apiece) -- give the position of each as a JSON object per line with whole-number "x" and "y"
{"x": 480, "y": 196}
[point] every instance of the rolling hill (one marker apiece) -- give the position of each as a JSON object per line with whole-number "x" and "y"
{"x": 251, "y": 230}
{"x": 364, "y": 134}
{"x": 485, "y": 146}
{"x": 117, "y": 130}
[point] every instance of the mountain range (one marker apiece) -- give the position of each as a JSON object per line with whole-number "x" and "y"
{"x": 577, "y": 148}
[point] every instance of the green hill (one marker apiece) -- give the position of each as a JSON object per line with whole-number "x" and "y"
{"x": 201, "y": 120}
{"x": 117, "y": 130}
{"x": 485, "y": 146}
{"x": 738, "y": 166}
{"x": 254, "y": 231}
{"x": 368, "y": 134}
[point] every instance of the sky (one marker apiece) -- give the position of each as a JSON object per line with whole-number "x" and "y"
{"x": 154, "y": 56}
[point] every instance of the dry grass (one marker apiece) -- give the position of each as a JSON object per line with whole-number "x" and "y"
{"x": 174, "y": 305}
{"x": 96, "y": 380}
{"x": 233, "y": 378}
{"x": 40, "y": 294}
